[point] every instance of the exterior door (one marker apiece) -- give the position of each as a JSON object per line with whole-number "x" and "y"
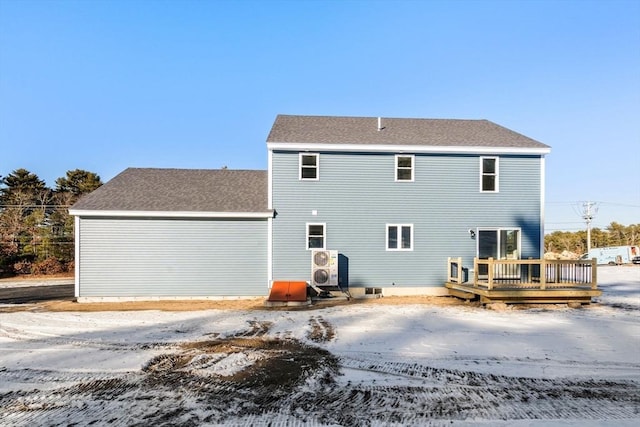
{"x": 503, "y": 243}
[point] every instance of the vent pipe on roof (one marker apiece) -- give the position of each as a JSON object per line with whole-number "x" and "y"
{"x": 379, "y": 124}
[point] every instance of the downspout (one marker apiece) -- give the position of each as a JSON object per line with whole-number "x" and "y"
{"x": 76, "y": 263}
{"x": 270, "y": 220}
{"x": 542, "y": 203}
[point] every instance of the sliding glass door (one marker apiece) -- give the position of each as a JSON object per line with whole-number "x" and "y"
{"x": 501, "y": 243}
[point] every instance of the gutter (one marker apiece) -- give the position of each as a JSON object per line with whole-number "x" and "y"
{"x": 399, "y": 148}
{"x": 85, "y": 213}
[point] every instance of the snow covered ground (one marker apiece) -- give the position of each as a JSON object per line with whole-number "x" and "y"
{"x": 358, "y": 364}
{"x": 37, "y": 282}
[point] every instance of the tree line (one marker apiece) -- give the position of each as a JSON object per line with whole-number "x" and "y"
{"x": 36, "y": 230}
{"x": 613, "y": 235}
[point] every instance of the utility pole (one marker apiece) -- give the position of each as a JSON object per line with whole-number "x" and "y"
{"x": 588, "y": 212}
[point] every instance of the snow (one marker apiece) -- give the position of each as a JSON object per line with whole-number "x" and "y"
{"x": 8, "y": 283}
{"x": 377, "y": 344}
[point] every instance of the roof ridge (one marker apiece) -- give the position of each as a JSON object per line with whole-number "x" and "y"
{"x": 194, "y": 169}
{"x": 376, "y": 117}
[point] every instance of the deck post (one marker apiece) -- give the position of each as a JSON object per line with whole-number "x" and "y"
{"x": 460, "y": 277}
{"x": 475, "y": 272}
{"x": 490, "y": 268}
{"x": 594, "y": 273}
{"x": 543, "y": 274}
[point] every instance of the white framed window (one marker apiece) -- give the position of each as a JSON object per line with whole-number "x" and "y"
{"x": 316, "y": 235}
{"x": 309, "y": 166}
{"x": 489, "y": 173}
{"x": 405, "y": 167}
{"x": 399, "y": 237}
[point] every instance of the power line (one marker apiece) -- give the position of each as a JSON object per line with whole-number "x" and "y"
{"x": 626, "y": 205}
{"x": 580, "y": 202}
{"x": 564, "y": 222}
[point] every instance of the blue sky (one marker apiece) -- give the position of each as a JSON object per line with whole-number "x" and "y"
{"x": 105, "y": 85}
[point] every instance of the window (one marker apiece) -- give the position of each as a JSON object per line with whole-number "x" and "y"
{"x": 399, "y": 237}
{"x": 315, "y": 236}
{"x": 309, "y": 166}
{"x": 404, "y": 167}
{"x": 489, "y": 174}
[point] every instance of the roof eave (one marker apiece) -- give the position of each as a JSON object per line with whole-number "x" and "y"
{"x": 168, "y": 214}
{"x": 397, "y": 148}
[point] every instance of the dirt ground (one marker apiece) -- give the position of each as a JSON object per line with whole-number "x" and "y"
{"x": 241, "y": 304}
{"x": 67, "y": 303}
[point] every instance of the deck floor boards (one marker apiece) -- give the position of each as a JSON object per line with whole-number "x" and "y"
{"x": 524, "y": 293}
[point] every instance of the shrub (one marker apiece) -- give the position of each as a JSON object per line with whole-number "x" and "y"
{"x": 22, "y": 267}
{"x": 48, "y": 266}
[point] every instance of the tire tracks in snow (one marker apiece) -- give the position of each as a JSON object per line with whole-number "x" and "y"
{"x": 249, "y": 378}
{"x": 173, "y": 392}
{"x": 321, "y": 330}
{"x": 256, "y": 329}
{"x": 460, "y": 394}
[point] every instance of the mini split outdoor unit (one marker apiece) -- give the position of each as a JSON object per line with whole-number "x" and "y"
{"x": 324, "y": 268}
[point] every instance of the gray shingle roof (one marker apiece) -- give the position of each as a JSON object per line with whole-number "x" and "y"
{"x": 180, "y": 190}
{"x": 426, "y": 132}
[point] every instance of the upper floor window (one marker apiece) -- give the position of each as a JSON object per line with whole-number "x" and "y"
{"x": 316, "y": 236}
{"x": 309, "y": 166}
{"x": 404, "y": 167}
{"x": 489, "y": 174}
{"x": 399, "y": 237}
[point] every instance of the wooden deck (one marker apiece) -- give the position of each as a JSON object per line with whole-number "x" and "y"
{"x": 524, "y": 281}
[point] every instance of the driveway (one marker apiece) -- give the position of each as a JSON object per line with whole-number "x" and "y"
{"x": 26, "y": 291}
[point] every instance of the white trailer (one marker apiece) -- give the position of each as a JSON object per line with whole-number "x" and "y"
{"x": 613, "y": 255}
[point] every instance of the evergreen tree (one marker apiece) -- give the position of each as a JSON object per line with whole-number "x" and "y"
{"x": 78, "y": 182}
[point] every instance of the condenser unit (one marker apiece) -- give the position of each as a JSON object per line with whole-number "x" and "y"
{"x": 324, "y": 268}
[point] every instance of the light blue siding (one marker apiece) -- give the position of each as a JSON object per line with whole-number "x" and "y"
{"x": 357, "y": 196}
{"x": 172, "y": 257}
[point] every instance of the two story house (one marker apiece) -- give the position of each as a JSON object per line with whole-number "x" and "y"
{"x": 392, "y": 197}
{"x": 396, "y": 197}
